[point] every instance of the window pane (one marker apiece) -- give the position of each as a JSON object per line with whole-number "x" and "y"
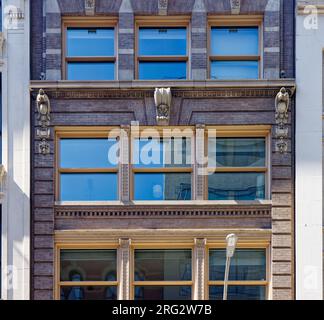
{"x": 90, "y": 42}
{"x": 236, "y": 186}
{"x": 162, "y": 265}
{"x": 162, "y": 70}
{"x": 162, "y": 41}
{"x": 91, "y": 71}
{"x": 88, "y": 153}
{"x": 88, "y": 265}
{"x": 162, "y": 186}
{"x": 162, "y": 153}
{"x": 89, "y": 293}
{"x": 246, "y": 264}
{"x": 233, "y": 70}
{"x": 163, "y": 293}
{"x": 242, "y": 41}
{"x": 238, "y": 292}
{"x": 88, "y": 186}
{"x": 236, "y": 152}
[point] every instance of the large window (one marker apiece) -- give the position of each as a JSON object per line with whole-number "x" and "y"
{"x": 247, "y": 274}
{"x": 87, "y": 169}
{"x": 238, "y": 168}
{"x": 162, "y": 274}
{"x": 89, "y": 51}
{"x": 88, "y": 274}
{"x": 162, "y": 168}
{"x": 162, "y": 51}
{"x": 235, "y": 50}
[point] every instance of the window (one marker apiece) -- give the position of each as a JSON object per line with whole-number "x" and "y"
{"x": 162, "y": 51}
{"x": 238, "y": 168}
{"x": 235, "y": 50}
{"x": 162, "y": 168}
{"x": 88, "y": 274}
{"x": 89, "y": 51}
{"x": 87, "y": 168}
{"x": 162, "y": 274}
{"x": 247, "y": 274}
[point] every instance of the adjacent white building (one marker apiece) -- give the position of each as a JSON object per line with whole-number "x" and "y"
{"x": 15, "y": 135}
{"x": 309, "y": 142}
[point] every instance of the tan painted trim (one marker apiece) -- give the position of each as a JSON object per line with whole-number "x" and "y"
{"x": 302, "y": 5}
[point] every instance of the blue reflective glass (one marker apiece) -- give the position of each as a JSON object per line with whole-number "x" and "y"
{"x": 233, "y": 70}
{"x": 162, "y": 293}
{"x": 246, "y": 265}
{"x": 162, "y": 153}
{"x": 236, "y": 152}
{"x": 236, "y": 186}
{"x": 91, "y": 71}
{"x": 162, "y": 70}
{"x": 90, "y": 42}
{"x": 88, "y": 153}
{"x": 162, "y": 41}
{"x": 88, "y": 186}
{"x": 88, "y": 293}
{"x": 162, "y": 265}
{"x": 162, "y": 186}
{"x": 235, "y": 41}
{"x": 238, "y": 292}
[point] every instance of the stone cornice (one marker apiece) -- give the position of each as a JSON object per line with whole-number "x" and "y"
{"x": 141, "y": 89}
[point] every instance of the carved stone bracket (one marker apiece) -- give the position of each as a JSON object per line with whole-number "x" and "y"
{"x": 235, "y": 6}
{"x": 44, "y": 110}
{"x": 2, "y": 179}
{"x": 90, "y": 7}
{"x": 162, "y": 99}
{"x": 200, "y": 258}
{"x": 282, "y": 102}
{"x": 163, "y": 7}
{"x": 124, "y": 269}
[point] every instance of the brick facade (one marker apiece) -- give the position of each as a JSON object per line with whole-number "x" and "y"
{"x": 192, "y": 104}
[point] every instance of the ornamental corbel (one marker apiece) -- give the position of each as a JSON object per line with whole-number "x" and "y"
{"x": 163, "y": 7}
{"x": 43, "y": 118}
{"x": 235, "y": 6}
{"x": 90, "y": 7}
{"x": 162, "y": 99}
{"x": 282, "y": 102}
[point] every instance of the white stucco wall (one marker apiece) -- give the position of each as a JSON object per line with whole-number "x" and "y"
{"x": 16, "y": 156}
{"x": 309, "y": 105}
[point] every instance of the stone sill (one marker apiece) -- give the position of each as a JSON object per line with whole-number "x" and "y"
{"x": 181, "y": 84}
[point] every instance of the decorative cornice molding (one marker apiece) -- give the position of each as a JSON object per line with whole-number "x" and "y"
{"x": 68, "y": 212}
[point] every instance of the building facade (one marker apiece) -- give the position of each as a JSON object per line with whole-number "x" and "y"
{"x": 309, "y": 146}
{"x": 117, "y": 87}
{"x": 15, "y": 150}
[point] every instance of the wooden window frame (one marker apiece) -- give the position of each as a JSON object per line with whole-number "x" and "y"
{"x": 162, "y": 22}
{"x": 168, "y": 246}
{"x": 82, "y": 133}
{"x": 88, "y": 22}
{"x": 266, "y": 282}
{"x": 243, "y": 132}
{"x": 157, "y": 132}
{"x": 75, "y": 246}
{"x": 233, "y": 21}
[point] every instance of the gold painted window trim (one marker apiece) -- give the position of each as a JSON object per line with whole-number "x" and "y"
{"x": 162, "y": 22}
{"x": 87, "y": 22}
{"x": 82, "y": 133}
{"x": 235, "y": 21}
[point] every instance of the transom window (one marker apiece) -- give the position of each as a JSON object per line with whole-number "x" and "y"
{"x": 247, "y": 274}
{"x": 88, "y": 274}
{"x": 237, "y": 168}
{"x": 162, "y": 274}
{"x": 235, "y": 51}
{"x": 88, "y": 169}
{"x": 162, "y": 52}
{"x": 162, "y": 168}
{"x": 90, "y": 52}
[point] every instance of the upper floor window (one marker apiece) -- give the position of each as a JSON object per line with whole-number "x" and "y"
{"x": 238, "y": 168}
{"x": 235, "y": 51}
{"x": 162, "y": 52}
{"x": 90, "y": 52}
{"x": 88, "y": 169}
